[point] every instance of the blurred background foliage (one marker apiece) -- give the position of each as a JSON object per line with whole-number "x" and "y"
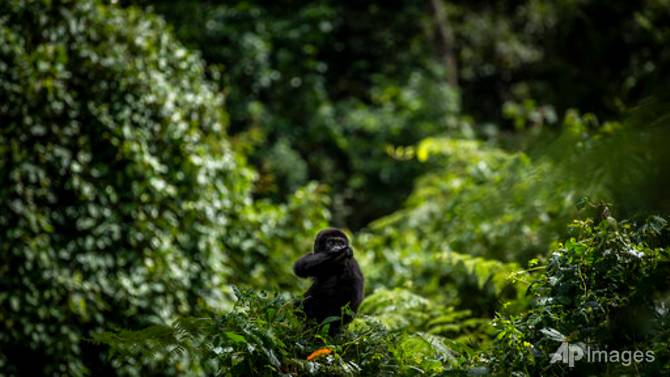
{"x": 156, "y": 154}
{"x": 309, "y": 73}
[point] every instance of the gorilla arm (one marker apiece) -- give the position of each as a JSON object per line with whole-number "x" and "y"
{"x": 314, "y": 264}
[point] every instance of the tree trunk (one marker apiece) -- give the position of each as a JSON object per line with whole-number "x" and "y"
{"x": 444, "y": 41}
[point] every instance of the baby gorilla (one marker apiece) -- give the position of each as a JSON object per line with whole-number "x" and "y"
{"x": 338, "y": 281}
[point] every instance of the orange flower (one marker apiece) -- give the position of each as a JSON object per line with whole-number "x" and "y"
{"x": 318, "y": 353}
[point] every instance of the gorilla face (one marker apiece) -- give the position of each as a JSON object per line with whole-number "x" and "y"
{"x": 335, "y": 244}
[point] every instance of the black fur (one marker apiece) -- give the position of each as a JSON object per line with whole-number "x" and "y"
{"x": 338, "y": 281}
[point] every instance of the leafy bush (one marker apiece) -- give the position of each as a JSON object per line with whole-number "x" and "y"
{"x": 484, "y": 201}
{"x": 121, "y": 202}
{"x": 264, "y": 335}
{"x": 264, "y": 238}
{"x": 399, "y": 259}
{"x": 605, "y": 288}
{"x": 402, "y": 310}
{"x": 590, "y": 291}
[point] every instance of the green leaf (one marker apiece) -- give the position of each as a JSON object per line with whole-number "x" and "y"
{"x": 235, "y": 337}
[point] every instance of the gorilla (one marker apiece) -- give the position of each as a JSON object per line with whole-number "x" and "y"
{"x": 337, "y": 279}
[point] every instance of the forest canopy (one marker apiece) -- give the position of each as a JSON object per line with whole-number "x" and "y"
{"x": 501, "y": 169}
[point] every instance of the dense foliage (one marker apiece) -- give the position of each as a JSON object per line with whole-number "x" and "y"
{"x": 300, "y": 74}
{"x": 605, "y": 288}
{"x": 262, "y": 335}
{"x": 121, "y": 201}
{"x": 163, "y": 164}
